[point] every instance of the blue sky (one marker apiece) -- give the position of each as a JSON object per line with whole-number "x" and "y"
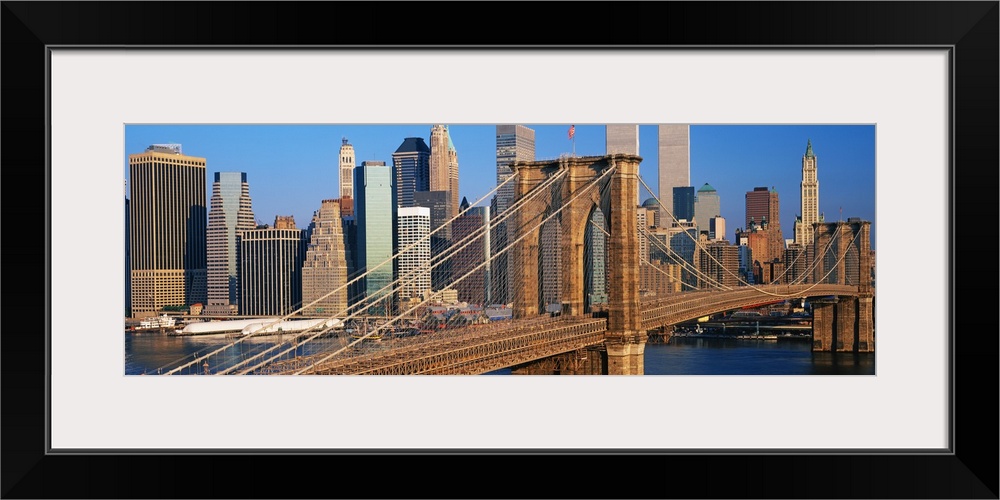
{"x": 291, "y": 168}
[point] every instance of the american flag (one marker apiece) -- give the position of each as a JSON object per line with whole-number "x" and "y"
{"x": 572, "y": 130}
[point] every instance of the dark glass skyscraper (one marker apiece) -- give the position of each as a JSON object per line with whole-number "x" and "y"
{"x": 411, "y": 168}
{"x": 684, "y": 203}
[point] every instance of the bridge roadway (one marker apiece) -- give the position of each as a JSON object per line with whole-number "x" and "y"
{"x": 686, "y": 306}
{"x": 480, "y": 349}
{"x": 470, "y": 350}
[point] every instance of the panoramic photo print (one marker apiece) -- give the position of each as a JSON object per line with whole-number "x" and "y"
{"x": 501, "y": 249}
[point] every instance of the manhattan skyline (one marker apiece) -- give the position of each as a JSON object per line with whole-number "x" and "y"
{"x": 292, "y": 168}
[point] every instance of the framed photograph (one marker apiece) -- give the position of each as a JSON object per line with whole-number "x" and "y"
{"x": 922, "y": 75}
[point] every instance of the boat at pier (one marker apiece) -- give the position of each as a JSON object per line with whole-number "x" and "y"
{"x": 157, "y": 322}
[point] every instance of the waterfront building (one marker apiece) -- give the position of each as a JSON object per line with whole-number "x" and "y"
{"x": 167, "y": 229}
{"x": 374, "y": 211}
{"x": 706, "y": 206}
{"x": 684, "y": 203}
{"x": 674, "y": 166}
{"x": 809, "y": 196}
{"x": 411, "y": 169}
{"x": 347, "y": 164}
{"x": 128, "y": 261}
{"x": 414, "y": 226}
{"x": 230, "y": 214}
{"x": 324, "y": 271}
{"x": 270, "y": 269}
{"x": 513, "y": 143}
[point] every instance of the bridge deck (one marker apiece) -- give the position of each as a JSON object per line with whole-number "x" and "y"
{"x": 483, "y": 348}
{"x": 686, "y": 306}
{"x": 465, "y": 351}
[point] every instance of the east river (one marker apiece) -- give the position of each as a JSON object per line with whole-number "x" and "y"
{"x": 146, "y": 352}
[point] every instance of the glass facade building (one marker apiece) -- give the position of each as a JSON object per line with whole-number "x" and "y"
{"x": 684, "y": 203}
{"x": 374, "y": 215}
{"x": 411, "y": 167}
{"x": 229, "y": 215}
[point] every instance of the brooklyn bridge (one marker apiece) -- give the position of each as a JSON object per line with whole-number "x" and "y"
{"x": 566, "y": 266}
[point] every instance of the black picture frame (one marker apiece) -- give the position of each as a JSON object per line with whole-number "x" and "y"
{"x": 970, "y": 471}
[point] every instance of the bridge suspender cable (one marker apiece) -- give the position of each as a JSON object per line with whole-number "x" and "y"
{"x": 736, "y": 275}
{"x": 410, "y": 278}
{"x": 476, "y": 268}
{"x": 341, "y": 287}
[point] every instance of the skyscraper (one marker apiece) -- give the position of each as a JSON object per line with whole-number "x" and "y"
{"x": 444, "y": 166}
{"x": 475, "y": 287}
{"x": 167, "y": 223}
{"x": 761, "y": 207}
{"x": 720, "y": 262}
{"x": 325, "y": 267}
{"x": 229, "y": 215}
{"x": 514, "y": 143}
{"x": 683, "y": 246}
{"x": 270, "y": 271}
{"x": 810, "y": 199}
{"x": 437, "y": 203}
{"x": 621, "y": 139}
{"x": 684, "y": 203}
{"x": 374, "y": 209}
{"x": 411, "y": 168}
{"x": 717, "y": 228}
{"x": 706, "y": 206}
{"x": 346, "y": 176}
{"x": 550, "y": 268}
{"x": 595, "y": 268}
{"x": 413, "y": 226}
{"x": 128, "y": 262}
{"x": 674, "y": 166}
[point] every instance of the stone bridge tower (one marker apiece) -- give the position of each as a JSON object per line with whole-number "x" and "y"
{"x": 843, "y": 256}
{"x": 625, "y": 340}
